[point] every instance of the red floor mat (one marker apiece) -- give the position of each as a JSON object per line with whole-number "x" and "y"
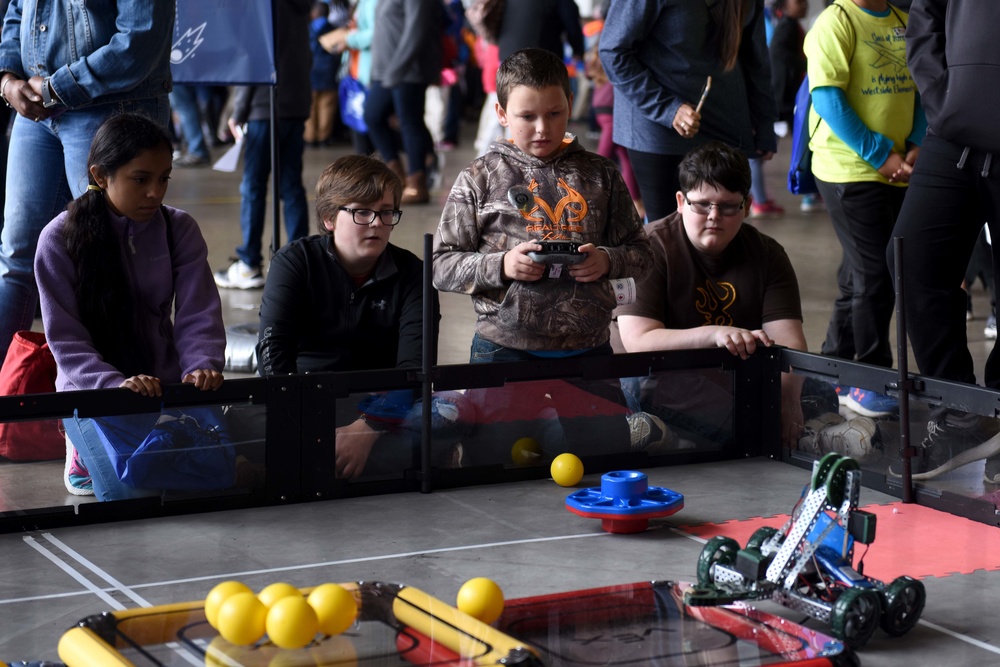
{"x": 909, "y": 539}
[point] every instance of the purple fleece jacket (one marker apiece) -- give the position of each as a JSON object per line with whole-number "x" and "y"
{"x": 195, "y": 339}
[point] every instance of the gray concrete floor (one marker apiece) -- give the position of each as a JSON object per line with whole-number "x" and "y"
{"x": 518, "y": 534}
{"x": 166, "y": 560}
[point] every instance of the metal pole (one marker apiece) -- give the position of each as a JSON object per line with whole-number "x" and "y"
{"x": 904, "y": 382}
{"x": 428, "y": 345}
{"x": 275, "y": 203}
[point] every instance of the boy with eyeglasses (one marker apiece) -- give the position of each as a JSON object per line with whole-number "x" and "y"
{"x": 718, "y": 282}
{"x": 347, "y": 300}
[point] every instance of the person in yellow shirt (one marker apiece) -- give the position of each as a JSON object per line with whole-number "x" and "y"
{"x": 867, "y": 126}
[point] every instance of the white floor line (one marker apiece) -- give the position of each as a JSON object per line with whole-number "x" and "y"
{"x": 117, "y": 585}
{"x": 289, "y": 568}
{"x": 86, "y": 583}
{"x": 957, "y": 635}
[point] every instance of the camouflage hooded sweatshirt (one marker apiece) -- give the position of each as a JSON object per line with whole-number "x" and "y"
{"x": 578, "y": 196}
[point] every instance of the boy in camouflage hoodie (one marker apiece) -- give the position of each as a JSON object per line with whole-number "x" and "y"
{"x": 526, "y": 308}
{"x": 540, "y": 186}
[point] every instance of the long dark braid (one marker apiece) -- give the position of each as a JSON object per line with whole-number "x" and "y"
{"x": 103, "y": 293}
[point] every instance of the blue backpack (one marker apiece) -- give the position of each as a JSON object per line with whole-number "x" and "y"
{"x": 800, "y": 177}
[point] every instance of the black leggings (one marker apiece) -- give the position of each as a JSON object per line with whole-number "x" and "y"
{"x": 656, "y": 175}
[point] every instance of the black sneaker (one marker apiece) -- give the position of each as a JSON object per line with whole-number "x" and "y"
{"x": 949, "y": 433}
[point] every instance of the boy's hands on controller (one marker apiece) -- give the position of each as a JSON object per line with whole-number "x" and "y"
{"x": 206, "y": 379}
{"x": 595, "y": 267}
{"x": 518, "y": 266}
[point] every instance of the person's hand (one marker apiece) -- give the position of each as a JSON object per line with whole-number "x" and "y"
{"x": 902, "y": 175}
{"x": 354, "y": 445}
{"x": 206, "y": 379}
{"x": 687, "y": 121}
{"x": 26, "y": 96}
{"x": 765, "y": 155}
{"x": 740, "y": 342}
{"x": 518, "y": 266}
{"x": 335, "y": 41}
{"x": 235, "y": 129}
{"x": 147, "y": 385}
{"x": 595, "y": 267}
{"x": 893, "y": 166}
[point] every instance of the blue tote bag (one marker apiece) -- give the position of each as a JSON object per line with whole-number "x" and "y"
{"x": 177, "y": 449}
{"x": 352, "y": 103}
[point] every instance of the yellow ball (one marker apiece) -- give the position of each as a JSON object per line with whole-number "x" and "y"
{"x": 480, "y": 598}
{"x": 526, "y": 451}
{"x": 218, "y": 595}
{"x": 291, "y": 622}
{"x": 566, "y": 469}
{"x": 275, "y": 592}
{"x": 241, "y": 619}
{"x": 335, "y": 608}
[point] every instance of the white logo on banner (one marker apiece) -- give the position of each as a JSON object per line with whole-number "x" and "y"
{"x": 186, "y": 45}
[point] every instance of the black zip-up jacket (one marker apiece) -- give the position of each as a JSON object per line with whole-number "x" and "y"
{"x": 312, "y": 318}
{"x": 952, "y": 54}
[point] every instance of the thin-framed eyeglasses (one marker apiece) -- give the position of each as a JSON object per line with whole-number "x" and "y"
{"x": 366, "y": 216}
{"x": 705, "y": 207}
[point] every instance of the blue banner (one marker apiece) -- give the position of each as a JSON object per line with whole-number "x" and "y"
{"x": 223, "y": 42}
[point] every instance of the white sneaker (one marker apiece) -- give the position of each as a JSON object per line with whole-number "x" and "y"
{"x": 649, "y": 433}
{"x": 858, "y": 438}
{"x": 240, "y": 275}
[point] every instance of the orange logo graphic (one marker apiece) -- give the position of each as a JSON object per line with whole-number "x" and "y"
{"x": 714, "y": 302}
{"x": 573, "y": 205}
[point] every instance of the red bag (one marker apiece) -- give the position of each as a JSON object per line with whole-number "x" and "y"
{"x": 30, "y": 368}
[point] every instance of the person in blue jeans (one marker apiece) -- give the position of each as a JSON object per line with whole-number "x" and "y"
{"x": 406, "y": 58}
{"x": 62, "y": 88}
{"x": 184, "y": 102}
{"x": 252, "y": 108}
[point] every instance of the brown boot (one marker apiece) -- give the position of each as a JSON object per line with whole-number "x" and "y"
{"x": 415, "y": 191}
{"x": 397, "y": 168}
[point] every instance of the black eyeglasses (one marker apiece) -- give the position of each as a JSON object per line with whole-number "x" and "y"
{"x": 366, "y": 216}
{"x": 705, "y": 207}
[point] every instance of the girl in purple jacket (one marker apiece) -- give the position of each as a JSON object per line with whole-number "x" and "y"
{"x": 112, "y": 270}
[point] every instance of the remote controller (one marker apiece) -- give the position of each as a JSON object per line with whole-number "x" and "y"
{"x": 558, "y": 252}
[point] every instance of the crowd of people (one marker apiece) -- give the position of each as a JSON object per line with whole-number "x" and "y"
{"x": 686, "y": 96}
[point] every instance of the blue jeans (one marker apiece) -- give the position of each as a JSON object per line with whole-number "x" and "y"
{"x": 49, "y": 161}
{"x": 253, "y": 187}
{"x": 83, "y": 434}
{"x": 586, "y": 417}
{"x": 758, "y": 189}
{"x": 406, "y": 100}
{"x": 184, "y": 101}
